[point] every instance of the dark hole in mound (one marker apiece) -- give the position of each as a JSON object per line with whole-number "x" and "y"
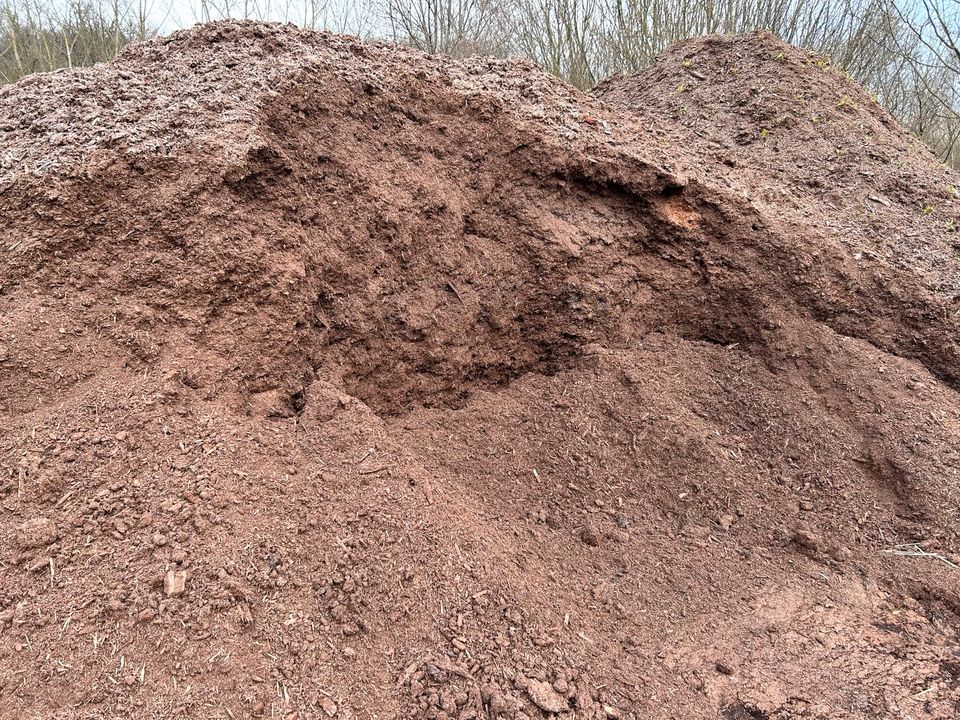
{"x": 713, "y": 340}
{"x": 671, "y": 190}
{"x": 950, "y": 672}
{"x": 298, "y": 401}
{"x": 410, "y": 380}
{"x": 743, "y": 711}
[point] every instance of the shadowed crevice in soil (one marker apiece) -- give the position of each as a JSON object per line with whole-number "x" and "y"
{"x": 491, "y": 267}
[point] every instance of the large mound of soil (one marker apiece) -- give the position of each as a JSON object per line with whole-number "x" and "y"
{"x": 338, "y": 380}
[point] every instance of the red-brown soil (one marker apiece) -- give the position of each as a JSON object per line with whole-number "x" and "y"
{"x": 337, "y": 380}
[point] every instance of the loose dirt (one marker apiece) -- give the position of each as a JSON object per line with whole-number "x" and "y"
{"x": 338, "y": 380}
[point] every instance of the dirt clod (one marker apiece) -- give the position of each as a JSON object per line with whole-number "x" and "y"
{"x": 546, "y": 698}
{"x": 36, "y": 533}
{"x": 806, "y": 539}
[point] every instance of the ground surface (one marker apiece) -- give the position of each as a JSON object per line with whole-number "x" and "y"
{"x": 338, "y": 380}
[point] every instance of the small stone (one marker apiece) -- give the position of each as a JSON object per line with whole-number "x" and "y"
{"x": 122, "y": 435}
{"x": 590, "y": 535}
{"x": 841, "y": 553}
{"x": 146, "y": 615}
{"x": 129, "y": 680}
{"x": 159, "y": 539}
{"x": 175, "y": 582}
{"x": 806, "y": 505}
{"x": 329, "y": 706}
{"x": 546, "y": 698}
{"x": 725, "y": 521}
{"x": 806, "y": 539}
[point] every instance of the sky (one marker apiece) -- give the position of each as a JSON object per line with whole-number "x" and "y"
{"x": 339, "y": 15}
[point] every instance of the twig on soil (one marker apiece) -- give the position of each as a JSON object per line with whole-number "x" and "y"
{"x": 371, "y": 471}
{"x": 455, "y": 291}
{"x": 450, "y": 667}
{"x": 914, "y": 550}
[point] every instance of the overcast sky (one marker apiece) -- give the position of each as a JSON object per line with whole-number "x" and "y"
{"x": 339, "y": 15}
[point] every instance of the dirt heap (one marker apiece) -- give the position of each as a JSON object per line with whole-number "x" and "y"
{"x": 806, "y": 146}
{"x": 340, "y": 380}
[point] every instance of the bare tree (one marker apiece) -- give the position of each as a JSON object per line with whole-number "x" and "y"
{"x": 450, "y": 27}
{"x": 560, "y": 35}
{"x": 906, "y": 51}
{"x": 924, "y": 35}
{"x": 37, "y": 36}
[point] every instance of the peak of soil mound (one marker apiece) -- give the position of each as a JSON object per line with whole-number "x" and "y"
{"x": 342, "y": 380}
{"x": 813, "y": 151}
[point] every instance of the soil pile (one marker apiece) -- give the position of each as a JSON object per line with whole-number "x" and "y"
{"x": 340, "y": 380}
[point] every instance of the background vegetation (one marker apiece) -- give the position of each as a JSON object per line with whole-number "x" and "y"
{"x": 906, "y": 51}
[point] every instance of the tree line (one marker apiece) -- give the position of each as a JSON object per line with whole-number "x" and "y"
{"x": 907, "y": 52}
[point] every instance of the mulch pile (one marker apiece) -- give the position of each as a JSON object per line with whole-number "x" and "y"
{"x": 339, "y": 380}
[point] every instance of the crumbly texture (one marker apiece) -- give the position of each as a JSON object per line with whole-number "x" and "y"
{"x": 338, "y": 380}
